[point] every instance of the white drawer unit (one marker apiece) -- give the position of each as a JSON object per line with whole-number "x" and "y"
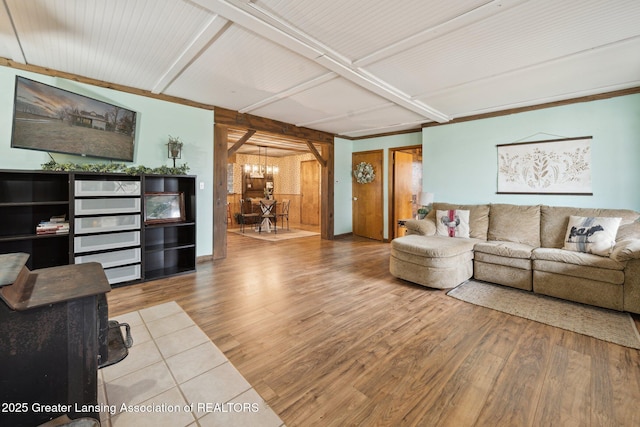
{"x": 113, "y": 205}
{"x": 85, "y": 188}
{"x": 100, "y": 224}
{"x": 123, "y": 274}
{"x": 107, "y": 225}
{"x": 101, "y": 242}
{"x": 112, "y": 259}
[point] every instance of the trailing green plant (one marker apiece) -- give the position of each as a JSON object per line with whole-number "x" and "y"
{"x": 115, "y": 168}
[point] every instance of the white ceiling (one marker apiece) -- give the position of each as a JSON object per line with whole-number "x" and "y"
{"x": 349, "y": 67}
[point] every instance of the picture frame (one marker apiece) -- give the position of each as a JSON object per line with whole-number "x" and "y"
{"x": 163, "y": 208}
{"x": 556, "y": 166}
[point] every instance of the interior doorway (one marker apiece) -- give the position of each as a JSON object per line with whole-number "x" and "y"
{"x": 310, "y": 192}
{"x": 406, "y": 185}
{"x": 367, "y": 197}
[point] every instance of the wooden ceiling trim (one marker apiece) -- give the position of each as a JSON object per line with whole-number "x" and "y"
{"x": 587, "y": 98}
{"x": 239, "y": 143}
{"x": 100, "y": 83}
{"x": 233, "y": 118}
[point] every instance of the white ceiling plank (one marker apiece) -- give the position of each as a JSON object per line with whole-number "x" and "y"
{"x": 376, "y": 119}
{"x": 8, "y": 35}
{"x": 473, "y": 16}
{"x": 515, "y": 39}
{"x": 610, "y": 68}
{"x": 303, "y": 46}
{"x": 383, "y": 129}
{"x": 241, "y": 69}
{"x": 290, "y": 92}
{"x": 213, "y": 29}
{"x": 354, "y": 68}
{"x": 345, "y": 115}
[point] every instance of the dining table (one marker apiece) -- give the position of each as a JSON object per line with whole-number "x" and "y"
{"x": 263, "y": 208}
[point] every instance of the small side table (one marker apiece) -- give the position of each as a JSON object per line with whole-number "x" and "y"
{"x": 402, "y": 227}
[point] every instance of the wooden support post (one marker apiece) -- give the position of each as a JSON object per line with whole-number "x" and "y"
{"x": 327, "y": 193}
{"x": 219, "y": 192}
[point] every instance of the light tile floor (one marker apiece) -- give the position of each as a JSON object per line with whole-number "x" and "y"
{"x": 175, "y": 376}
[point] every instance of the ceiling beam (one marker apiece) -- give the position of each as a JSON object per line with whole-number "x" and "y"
{"x": 290, "y": 92}
{"x": 225, "y": 117}
{"x": 258, "y": 21}
{"x": 216, "y": 26}
{"x": 239, "y": 143}
{"x": 472, "y": 16}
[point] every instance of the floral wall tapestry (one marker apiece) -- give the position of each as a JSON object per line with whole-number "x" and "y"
{"x": 558, "y": 166}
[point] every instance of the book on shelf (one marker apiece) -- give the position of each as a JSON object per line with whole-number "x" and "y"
{"x": 55, "y": 225}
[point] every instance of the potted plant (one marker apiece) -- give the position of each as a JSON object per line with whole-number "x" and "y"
{"x": 175, "y": 147}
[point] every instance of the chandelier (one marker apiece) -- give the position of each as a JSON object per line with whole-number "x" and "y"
{"x": 258, "y": 170}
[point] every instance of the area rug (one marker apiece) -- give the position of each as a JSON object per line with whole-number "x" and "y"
{"x": 175, "y": 376}
{"x": 607, "y": 325}
{"x": 282, "y": 234}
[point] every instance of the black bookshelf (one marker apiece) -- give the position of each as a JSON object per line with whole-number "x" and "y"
{"x": 28, "y": 197}
{"x": 170, "y": 247}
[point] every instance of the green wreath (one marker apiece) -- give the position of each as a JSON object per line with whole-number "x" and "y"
{"x": 364, "y": 173}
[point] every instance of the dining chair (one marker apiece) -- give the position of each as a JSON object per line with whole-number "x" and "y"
{"x": 246, "y": 212}
{"x": 267, "y": 214}
{"x": 285, "y": 212}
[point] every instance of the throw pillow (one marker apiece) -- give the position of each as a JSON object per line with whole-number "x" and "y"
{"x": 452, "y": 223}
{"x": 595, "y": 235}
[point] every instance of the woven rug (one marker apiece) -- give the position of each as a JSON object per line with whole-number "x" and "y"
{"x": 282, "y": 234}
{"x": 607, "y": 325}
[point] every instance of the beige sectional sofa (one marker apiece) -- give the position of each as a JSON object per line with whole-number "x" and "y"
{"x": 524, "y": 247}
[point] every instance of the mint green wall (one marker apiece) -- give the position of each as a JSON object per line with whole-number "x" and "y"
{"x": 156, "y": 120}
{"x": 342, "y": 186}
{"x": 343, "y": 208}
{"x": 460, "y": 160}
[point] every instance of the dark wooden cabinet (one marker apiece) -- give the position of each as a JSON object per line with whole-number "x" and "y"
{"x": 254, "y": 188}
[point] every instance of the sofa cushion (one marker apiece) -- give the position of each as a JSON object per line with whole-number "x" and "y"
{"x": 431, "y": 263}
{"x": 595, "y": 235}
{"x": 554, "y": 220}
{"x": 505, "y": 249}
{"x": 515, "y": 223}
{"x": 478, "y": 217}
{"x": 423, "y": 227}
{"x": 576, "y": 258}
{"x": 482, "y": 257}
{"x": 432, "y": 246}
{"x": 578, "y": 264}
{"x": 628, "y": 231}
{"x": 452, "y": 223}
{"x": 626, "y": 250}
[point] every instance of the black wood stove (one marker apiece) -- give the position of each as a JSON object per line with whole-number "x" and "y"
{"x": 54, "y": 336}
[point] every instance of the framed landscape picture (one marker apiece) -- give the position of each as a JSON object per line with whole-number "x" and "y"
{"x": 163, "y": 207}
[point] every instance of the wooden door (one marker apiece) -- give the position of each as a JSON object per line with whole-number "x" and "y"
{"x": 310, "y": 192}
{"x": 368, "y": 198}
{"x": 403, "y": 193}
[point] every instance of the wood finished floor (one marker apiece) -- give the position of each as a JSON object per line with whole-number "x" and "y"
{"x": 328, "y": 337}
